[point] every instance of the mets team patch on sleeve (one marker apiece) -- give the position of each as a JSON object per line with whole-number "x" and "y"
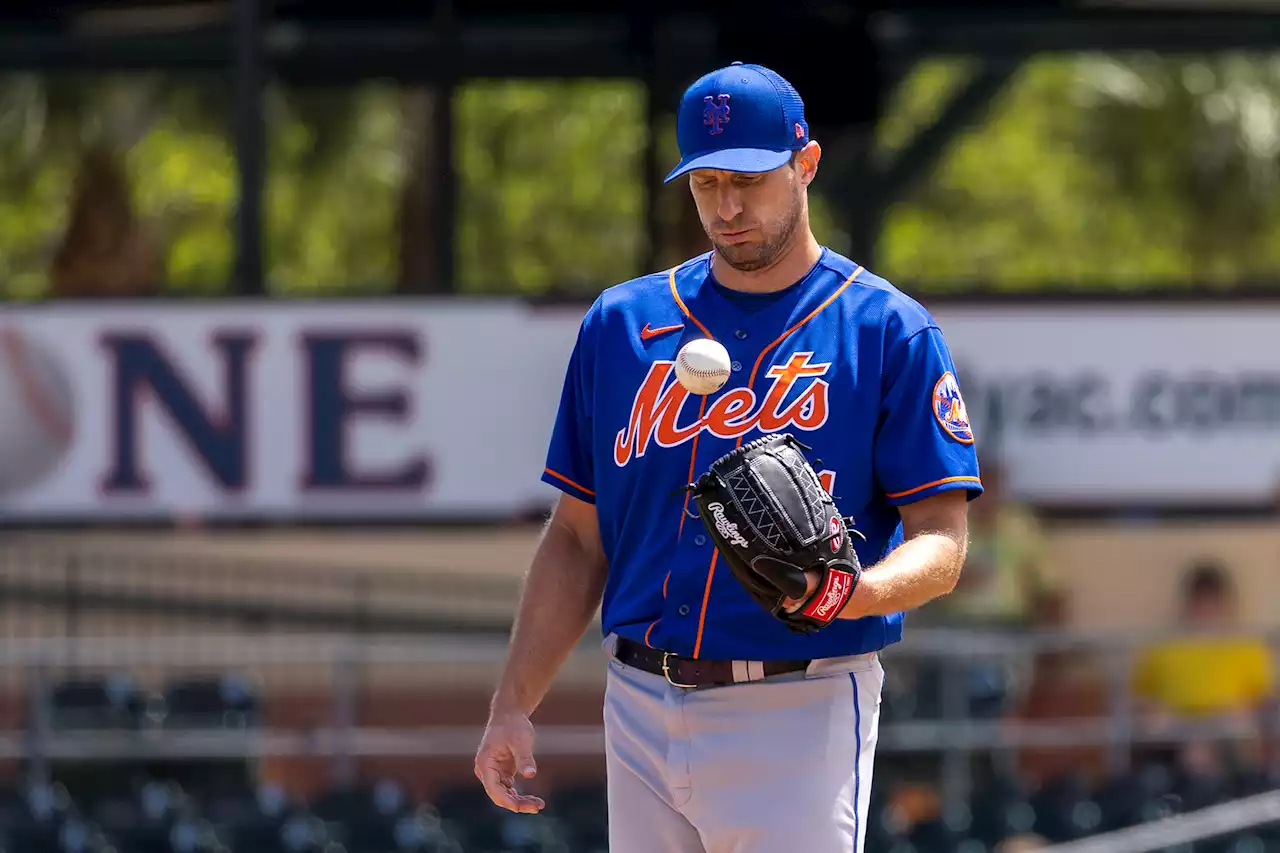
{"x": 949, "y": 409}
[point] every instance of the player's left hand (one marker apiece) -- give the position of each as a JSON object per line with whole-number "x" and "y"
{"x": 793, "y": 553}
{"x": 812, "y": 579}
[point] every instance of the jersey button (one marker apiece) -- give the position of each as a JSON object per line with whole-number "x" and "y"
{"x": 683, "y": 610}
{"x": 700, "y": 540}
{"x": 736, "y": 366}
{"x": 741, "y": 334}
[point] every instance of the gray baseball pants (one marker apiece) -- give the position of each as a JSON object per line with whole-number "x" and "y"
{"x": 781, "y": 765}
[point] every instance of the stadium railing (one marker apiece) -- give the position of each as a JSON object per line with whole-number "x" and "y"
{"x": 50, "y": 590}
{"x": 30, "y": 662}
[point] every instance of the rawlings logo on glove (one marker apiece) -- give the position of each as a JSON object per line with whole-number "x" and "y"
{"x": 829, "y": 601}
{"x": 725, "y": 527}
{"x": 772, "y": 521}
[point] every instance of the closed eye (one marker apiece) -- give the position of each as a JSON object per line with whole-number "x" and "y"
{"x": 740, "y": 180}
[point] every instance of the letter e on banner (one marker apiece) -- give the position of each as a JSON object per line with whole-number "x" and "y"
{"x": 337, "y": 405}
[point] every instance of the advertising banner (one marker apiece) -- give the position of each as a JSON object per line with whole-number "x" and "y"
{"x": 1160, "y": 405}
{"x": 441, "y": 409}
{"x": 265, "y": 410}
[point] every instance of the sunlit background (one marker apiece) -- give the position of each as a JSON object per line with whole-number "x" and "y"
{"x": 289, "y": 291}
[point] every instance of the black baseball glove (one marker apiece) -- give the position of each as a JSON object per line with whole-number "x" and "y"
{"x": 771, "y": 520}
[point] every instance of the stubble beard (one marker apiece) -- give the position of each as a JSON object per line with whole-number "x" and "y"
{"x": 750, "y": 257}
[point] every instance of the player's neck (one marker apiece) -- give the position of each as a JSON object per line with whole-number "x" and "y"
{"x": 791, "y": 266}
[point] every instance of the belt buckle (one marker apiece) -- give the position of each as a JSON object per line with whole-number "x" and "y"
{"x": 666, "y": 671}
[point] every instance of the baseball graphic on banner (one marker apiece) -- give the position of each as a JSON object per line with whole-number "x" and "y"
{"x": 37, "y": 413}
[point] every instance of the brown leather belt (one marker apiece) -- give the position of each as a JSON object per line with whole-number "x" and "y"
{"x": 694, "y": 672}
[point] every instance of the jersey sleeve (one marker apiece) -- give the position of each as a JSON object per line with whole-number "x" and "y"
{"x": 924, "y": 443}
{"x": 569, "y": 460}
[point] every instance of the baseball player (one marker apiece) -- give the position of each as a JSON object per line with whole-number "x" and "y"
{"x": 732, "y": 727}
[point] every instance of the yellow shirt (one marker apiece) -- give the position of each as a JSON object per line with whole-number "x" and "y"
{"x": 1202, "y": 677}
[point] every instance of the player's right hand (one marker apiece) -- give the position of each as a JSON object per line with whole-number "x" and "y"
{"x": 505, "y": 751}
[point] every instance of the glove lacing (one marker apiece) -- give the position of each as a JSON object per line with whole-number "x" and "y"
{"x": 703, "y": 481}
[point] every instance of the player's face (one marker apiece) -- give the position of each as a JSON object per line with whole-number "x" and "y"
{"x": 750, "y": 218}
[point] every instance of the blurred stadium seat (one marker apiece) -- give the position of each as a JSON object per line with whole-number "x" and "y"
{"x": 1131, "y": 798}
{"x": 378, "y": 817}
{"x": 483, "y": 827}
{"x": 252, "y": 819}
{"x": 106, "y": 702}
{"x": 219, "y": 702}
{"x": 217, "y": 806}
{"x": 381, "y": 817}
{"x": 583, "y": 809}
{"x": 1065, "y": 810}
{"x": 1002, "y": 809}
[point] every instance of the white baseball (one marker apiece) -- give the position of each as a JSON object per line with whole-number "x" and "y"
{"x": 37, "y": 415}
{"x": 702, "y": 366}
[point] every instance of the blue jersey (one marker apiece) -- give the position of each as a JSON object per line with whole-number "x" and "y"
{"x": 843, "y": 360}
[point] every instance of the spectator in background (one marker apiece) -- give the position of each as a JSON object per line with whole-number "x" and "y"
{"x": 104, "y": 252}
{"x": 1064, "y": 684}
{"x": 1207, "y": 672}
{"x": 1005, "y": 574}
{"x": 1210, "y": 673}
{"x": 1007, "y": 568}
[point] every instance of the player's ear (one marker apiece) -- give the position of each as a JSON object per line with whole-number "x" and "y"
{"x": 806, "y": 161}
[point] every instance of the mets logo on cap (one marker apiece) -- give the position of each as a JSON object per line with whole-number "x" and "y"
{"x": 949, "y": 409}
{"x": 715, "y": 113}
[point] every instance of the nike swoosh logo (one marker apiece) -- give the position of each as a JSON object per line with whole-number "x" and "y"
{"x": 646, "y": 333}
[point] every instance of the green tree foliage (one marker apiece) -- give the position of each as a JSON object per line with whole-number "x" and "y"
{"x": 1089, "y": 171}
{"x": 551, "y": 178}
{"x": 1097, "y": 171}
{"x": 173, "y": 146}
{"x": 337, "y": 161}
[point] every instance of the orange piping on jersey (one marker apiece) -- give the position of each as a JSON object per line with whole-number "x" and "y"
{"x": 675, "y": 294}
{"x": 941, "y": 482}
{"x": 814, "y": 313}
{"x": 671, "y": 278}
{"x": 693, "y": 461}
{"x": 706, "y": 596}
{"x": 560, "y": 476}
{"x": 647, "y": 630}
{"x": 659, "y": 619}
{"x": 684, "y": 511}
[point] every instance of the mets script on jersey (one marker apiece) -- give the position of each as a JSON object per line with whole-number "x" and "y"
{"x": 656, "y": 411}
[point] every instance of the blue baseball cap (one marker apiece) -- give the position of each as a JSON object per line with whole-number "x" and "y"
{"x": 741, "y": 118}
